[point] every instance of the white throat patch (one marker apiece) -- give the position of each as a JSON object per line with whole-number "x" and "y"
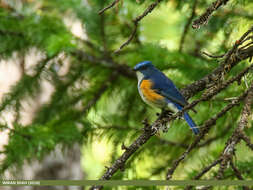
{"x": 140, "y": 76}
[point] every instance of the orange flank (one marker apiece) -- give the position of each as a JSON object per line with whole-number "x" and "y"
{"x": 148, "y": 93}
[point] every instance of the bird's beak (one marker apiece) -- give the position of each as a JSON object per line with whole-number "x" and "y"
{"x": 134, "y": 69}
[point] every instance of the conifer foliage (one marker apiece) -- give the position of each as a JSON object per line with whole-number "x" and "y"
{"x": 205, "y": 47}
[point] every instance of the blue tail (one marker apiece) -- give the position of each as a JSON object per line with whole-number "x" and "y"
{"x": 191, "y": 123}
{"x": 187, "y": 118}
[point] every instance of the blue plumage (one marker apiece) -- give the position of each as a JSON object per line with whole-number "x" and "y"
{"x": 160, "y": 91}
{"x": 189, "y": 120}
{"x": 191, "y": 123}
{"x": 164, "y": 86}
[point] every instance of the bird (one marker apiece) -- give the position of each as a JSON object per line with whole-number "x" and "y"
{"x": 157, "y": 90}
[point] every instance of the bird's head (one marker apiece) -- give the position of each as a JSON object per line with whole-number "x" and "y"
{"x": 144, "y": 69}
{"x": 143, "y": 66}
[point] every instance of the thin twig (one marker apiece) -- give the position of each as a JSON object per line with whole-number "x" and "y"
{"x": 136, "y": 21}
{"x": 237, "y": 44}
{"x": 220, "y": 135}
{"x": 238, "y": 174}
{"x": 187, "y": 25}
{"x": 129, "y": 39}
{"x": 230, "y": 61}
{"x": 206, "y": 169}
{"x": 248, "y": 44}
{"x": 205, "y": 143}
{"x": 213, "y": 56}
{"x": 108, "y": 7}
{"x": 203, "y": 19}
{"x": 229, "y": 149}
{"x": 203, "y": 171}
{"x": 247, "y": 140}
{"x": 248, "y": 38}
{"x": 122, "y": 69}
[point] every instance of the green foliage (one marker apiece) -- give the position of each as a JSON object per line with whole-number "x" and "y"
{"x": 88, "y": 104}
{"x": 37, "y": 140}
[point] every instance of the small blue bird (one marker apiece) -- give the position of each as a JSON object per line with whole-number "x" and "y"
{"x": 159, "y": 91}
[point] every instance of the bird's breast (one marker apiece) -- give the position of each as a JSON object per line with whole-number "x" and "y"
{"x": 149, "y": 95}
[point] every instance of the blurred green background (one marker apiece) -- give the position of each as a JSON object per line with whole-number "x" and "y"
{"x": 71, "y": 90}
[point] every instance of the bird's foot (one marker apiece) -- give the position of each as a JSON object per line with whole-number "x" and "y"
{"x": 166, "y": 113}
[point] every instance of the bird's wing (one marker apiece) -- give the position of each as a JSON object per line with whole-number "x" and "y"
{"x": 174, "y": 95}
{"x": 166, "y": 88}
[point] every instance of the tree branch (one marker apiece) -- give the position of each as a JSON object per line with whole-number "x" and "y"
{"x": 187, "y": 25}
{"x": 225, "y": 158}
{"x": 205, "y": 170}
{"x": 205, "y": 143}
{"x": 108, "y": 7}
{"x": 213, "y": 56}
{"x": 203, "y": 19}
{"x": 206, "y": 127}
{"x": 246, "y": 139}
{"x": 212, "y": 92}
{"x": 136, "y": 21}
{"x": 233, "y": 57}
{"x": 120, "y": 162}
{"x": 120, "y": 68}
{"x": 236, "y": 136}
{"x": 238, "y": 174}
{"x": 151, "y": 130}
{"x": 220, "y": 135}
